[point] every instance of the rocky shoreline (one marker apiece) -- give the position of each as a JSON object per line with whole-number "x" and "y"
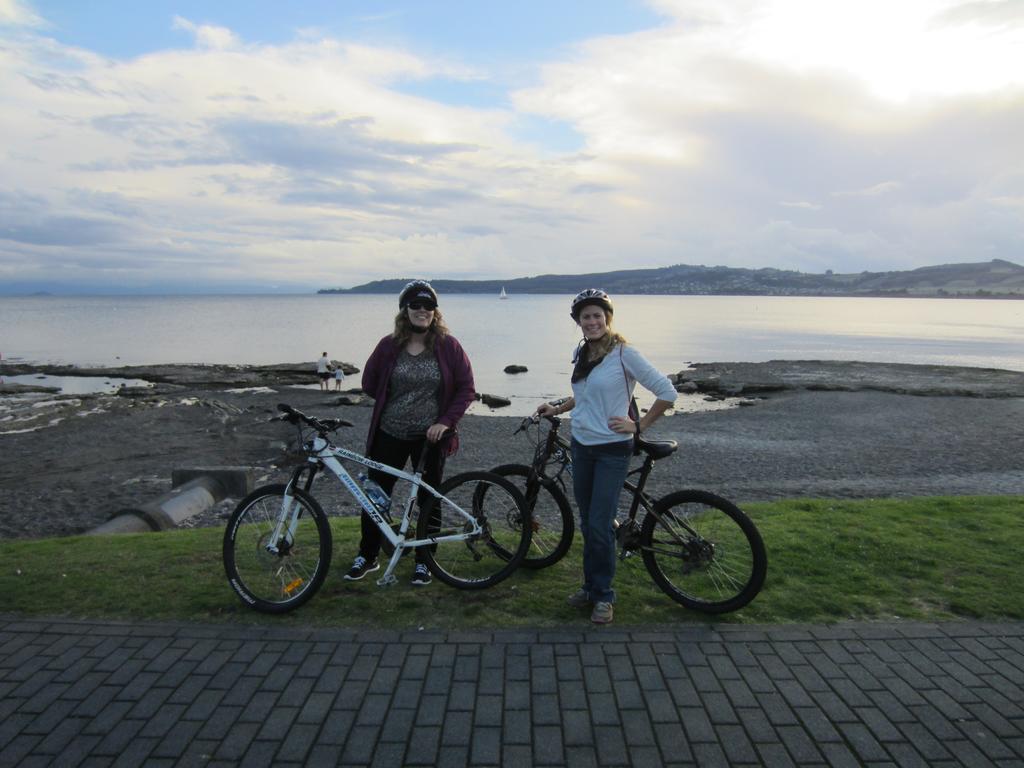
{"x": 728, "y": 379}
{"x": 827, "y": 429}
{"x": 853, "y": 376}
{"x": 170, "y": 377}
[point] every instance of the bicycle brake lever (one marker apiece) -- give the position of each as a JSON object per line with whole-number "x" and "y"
{"x": 333, "y": 425}
{"x": 288, "y": 413}
{"x": 526, "y": 422}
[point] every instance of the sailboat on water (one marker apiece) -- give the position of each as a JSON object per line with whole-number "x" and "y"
{"x": 502, "y": 295}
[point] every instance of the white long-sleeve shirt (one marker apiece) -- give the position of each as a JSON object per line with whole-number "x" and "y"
{"x": 607, "y": 390}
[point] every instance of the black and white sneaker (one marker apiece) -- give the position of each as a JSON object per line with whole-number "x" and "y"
{"x": 360, "y": 567}
{"x": 421, "y": 576}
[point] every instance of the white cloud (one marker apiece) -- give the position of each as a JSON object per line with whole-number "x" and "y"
{"x": 207, "y": 35}
{"x": 984, "y": 12}
{"x": 303, "y": 150}
{"x": 706, "y": 123}
{"x": 15, "y": 13}
{"x": 718, "y": 137}
{"x": 875, "y": 189}
{"x": 899, "y": 51}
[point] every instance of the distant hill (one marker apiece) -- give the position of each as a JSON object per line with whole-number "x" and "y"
{"x": 990, "y": 279}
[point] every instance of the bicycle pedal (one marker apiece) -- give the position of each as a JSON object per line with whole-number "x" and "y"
{"x": 387, "y": 581}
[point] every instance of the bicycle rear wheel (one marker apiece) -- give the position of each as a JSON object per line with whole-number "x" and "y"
{"x": 703, "y": 552}
{"x": 483, "y": 560}
{"x": 551, "y": 524}
{"x": 283, "y": 579}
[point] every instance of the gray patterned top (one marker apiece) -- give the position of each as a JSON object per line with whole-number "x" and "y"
{"x": 413, "y": 395}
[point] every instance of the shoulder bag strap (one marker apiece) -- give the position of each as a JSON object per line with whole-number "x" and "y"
{"x": 631, "y": 407}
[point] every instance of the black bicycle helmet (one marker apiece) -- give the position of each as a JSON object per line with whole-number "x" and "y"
{"x": 590, "y": 296}
{"x": 417, "y": 289}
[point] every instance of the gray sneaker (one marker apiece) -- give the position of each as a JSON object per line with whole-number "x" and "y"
{"x": 579, "y": 599}
{"x": 602, "y": 613}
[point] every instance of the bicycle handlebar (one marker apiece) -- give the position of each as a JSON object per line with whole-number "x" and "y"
{"x": 535, "y": 419}
{"x": 322, "y": 426}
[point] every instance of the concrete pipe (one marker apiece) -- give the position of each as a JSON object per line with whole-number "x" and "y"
{"x": 195, "y": 491}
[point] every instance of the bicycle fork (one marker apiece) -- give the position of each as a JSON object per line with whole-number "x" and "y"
{"x": 288, "y": 519}
{"x": 281, "y": 539}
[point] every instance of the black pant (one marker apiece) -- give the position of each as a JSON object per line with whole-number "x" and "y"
{"x": 395, "y": 453}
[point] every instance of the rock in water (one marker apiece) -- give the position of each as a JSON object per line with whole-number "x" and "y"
{"x": 493, "y": 401}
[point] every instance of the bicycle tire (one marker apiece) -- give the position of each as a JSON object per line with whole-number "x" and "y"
{"x": 715, "y": 563}
{"x": 483, "y": 561}
{"x": 552, "y": 523}
{"x": 276, "y": 583}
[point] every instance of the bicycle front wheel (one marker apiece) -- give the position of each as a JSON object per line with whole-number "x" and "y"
{"x": 474, "y": 561}
{"x": 551, "y": 526}
{"x": 274, "y": 576}
{"x": 703, "y": 552}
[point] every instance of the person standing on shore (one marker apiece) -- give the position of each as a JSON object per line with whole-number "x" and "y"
{"x": 339, "y": 376}
{"x": 606, "y": 369}
{"x": 323, "y": 366}
{"x": 421, "y": 381}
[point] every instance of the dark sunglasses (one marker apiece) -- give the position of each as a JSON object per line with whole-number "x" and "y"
{"x": 422, "y": 305}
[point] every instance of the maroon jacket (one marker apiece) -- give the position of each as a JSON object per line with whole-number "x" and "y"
{"x": 457, "y": 390}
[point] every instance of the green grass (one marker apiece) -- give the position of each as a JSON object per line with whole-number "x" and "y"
{"x": 921, "y": 559}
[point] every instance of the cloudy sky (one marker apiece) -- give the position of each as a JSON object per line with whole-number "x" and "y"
{"x": 175, "y": 145}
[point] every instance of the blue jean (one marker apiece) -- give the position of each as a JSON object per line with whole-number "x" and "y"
{"x": 598, "y": 474}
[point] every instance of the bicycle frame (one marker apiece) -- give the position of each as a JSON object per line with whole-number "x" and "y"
{"x": 557, "y": 449}
{"x": 323, "y": 454}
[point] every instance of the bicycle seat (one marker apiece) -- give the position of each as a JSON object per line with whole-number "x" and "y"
{"x": 657, "y": 449}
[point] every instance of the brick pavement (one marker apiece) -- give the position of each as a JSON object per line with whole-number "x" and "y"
{"x": 107, "y": 693}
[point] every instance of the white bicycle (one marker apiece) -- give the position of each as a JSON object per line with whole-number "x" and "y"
{"x": 277, "y": 547}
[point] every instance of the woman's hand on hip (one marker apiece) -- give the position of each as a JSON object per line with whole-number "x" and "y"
{"x": 622, "y": 425}
{"x": 435, "y": 432}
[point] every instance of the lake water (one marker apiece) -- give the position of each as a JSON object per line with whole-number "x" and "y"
{"x": 534, "y": 331}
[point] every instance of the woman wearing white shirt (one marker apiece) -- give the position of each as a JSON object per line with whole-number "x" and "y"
{"x": 606, "y": 370}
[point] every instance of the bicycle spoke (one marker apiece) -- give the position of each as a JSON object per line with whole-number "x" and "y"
{"x": 276, "y": 576}
{"x": 480, "y": 554}
{"x": 703, "y": 552}
{"x": 551, "y": 527}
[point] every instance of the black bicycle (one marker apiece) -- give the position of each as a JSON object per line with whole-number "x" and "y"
{"x": 699, "y": 548}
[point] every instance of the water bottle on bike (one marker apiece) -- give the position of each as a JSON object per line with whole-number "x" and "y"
{"x": 375, "y": 493}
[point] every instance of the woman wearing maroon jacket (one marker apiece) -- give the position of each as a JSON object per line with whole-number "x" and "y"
{"x": 422, "y": 382}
